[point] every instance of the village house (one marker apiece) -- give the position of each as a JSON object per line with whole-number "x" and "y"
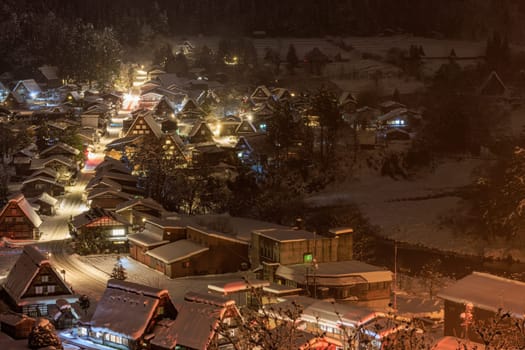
{"x": 17, "y": 326}
{"x": 102, "y": 222}
{"x": 138, "y": 209}
{"x": 342, "y": 280}
{"x": 107, "y": 198}
{"x": 13, "y": 101}
{"x": 33, "y": 284}
{"x": 45, "y": 204}
{"x": 34, "y": 186}
{"x": 155, "y": 233}
{"x": 260, "y": 95}
{"x": 274, "y": 247}
{"x": 28, "y": 89}
{"x": 22, "y": 159}
{"x": 65, "y": 167}
{"x": 61, "y": 149}
{"x": 18, "y": 220}
{"x": 195, "y": 328}
{"x": 477, "y": 298}
{"x": 200, "y": 252}
{"x": 127, "y": 314}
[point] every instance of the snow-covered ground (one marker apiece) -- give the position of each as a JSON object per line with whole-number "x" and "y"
{"x": 413, "y": 221}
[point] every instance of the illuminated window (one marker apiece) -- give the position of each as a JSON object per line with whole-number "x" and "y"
{"x": 308, "y": 257}
{"x": 118, "y": 232}
{"x": 51, "y": 289}
{"x": 44, "y": 278}
{"x": 39, "y": 290}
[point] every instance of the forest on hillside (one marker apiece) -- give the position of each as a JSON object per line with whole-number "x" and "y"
{"x": 466, "y": 19}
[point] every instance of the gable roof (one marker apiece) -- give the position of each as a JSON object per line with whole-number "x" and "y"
{"x": 49, "y": 172}
{"x": 245, "y": 127}
{"x": 261, "y": 92}
{"x": 16, "y": 96}
{"x": 127, "y": 308}
{"x": 147, "y": 202}
{"x": 24, "y": 271}
{"x": 49, "y": 72}
{"x": 176, "y": 251}
{"x": 191, "y": 107}
{"x": 105, "y": 190}
{"x": 26, "y": 208}
{"x": 150, "y": 122}
{"x": 67, "y": 149}
{"x": 30, "y": 85}
{"x": 47, "y": 199}
{"x": 493, "y": 85}
{"x": 40, "y": 163}
{"x": 95, "y": 214}
{"x": 488, "y": 292}
{"x": 113, "y": 165}
{"x": 42, "y": 179}
{"x": 198, "y": 126}
{"x": 196, "y": 322}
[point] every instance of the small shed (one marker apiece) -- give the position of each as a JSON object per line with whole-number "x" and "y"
{"x": 17, "y": 326}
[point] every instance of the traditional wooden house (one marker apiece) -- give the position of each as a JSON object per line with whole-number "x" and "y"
{"x": 342, "y": 281}
{"x": 202, "y": 252}
{"x": 260, "y": 95}
{"x": 34, "y": 186}
{"x": 65, "y": 167}
{"x": 493, "y": 86}
{"x": 115, "y": 181}
{"x": 46, "y": 204}
{"x": 145, "y": 125}
{"x": 33, "y": 284}
{"x": 190, "y": 110}
{"x": 107, "y": 198}
{"x": 18, "y": 220}
{"x": 200, "y": 133}
{"x": 47, "y": 173}
{"x": 281, "y": 94}
{"x": 13, "y": 101}
{"x": 245, "y": 128}
{"x": 73, "y": 98}
{"x": 22, "y": 159}
{"x": 274, "y": 247}
{"x": 164, "y": 108}
{"x": 127, "y": 315}
{"x": 154, "y": 234}
{"x": 389, "y": 105}
{"x": 196, "y": 324}
{"x": 28, "y": 89}
{"x": 137, "y": 209}
{"x": 112, "y": 165}
{"x": 17, "y": 326}
{"x": 347, "y": 102}
{"x": 478, "y": 297}
{"x": 103, "y": 222}
{"x": 48, "y": 76}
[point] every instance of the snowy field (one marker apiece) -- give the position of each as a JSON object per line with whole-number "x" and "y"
{"x": 413, "y": 221}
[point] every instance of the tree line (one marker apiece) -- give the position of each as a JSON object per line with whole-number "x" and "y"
{"x": 467, "y": 19}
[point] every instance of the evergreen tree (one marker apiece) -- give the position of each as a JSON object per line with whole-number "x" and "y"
{"x": 292, "y": 60}
{"x": 43, "y": 335}
{"x": 119, "y": 271}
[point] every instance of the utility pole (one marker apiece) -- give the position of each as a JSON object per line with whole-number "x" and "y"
{"x": 395, "y": 277}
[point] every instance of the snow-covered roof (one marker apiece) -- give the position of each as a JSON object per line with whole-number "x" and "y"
{"x": 127, "y": 308}
{"x": 40, "y": 178}
{"x": 488, "y": 292}
{"x": 328, "y": 313}
{"x": 26, "y": 208}
{"x": 147, "y": 239}
{"x": 95, "y": 214}
{"x": 286, "y": 235}
{"x": 176, "y": 251}
{"x": 150, "y": 121}
{"x": 113, "y": 164}
{"x": 336, "y": 273}
{"x": 24, "y": 271}
{"x": 40, "y": 163}
{"x": 30, "y": 84}
{"x": 46, "y": 198}
{"x": 147, "y": 202}
{"x": 237, "y": 285}
{"x": 67, "y": 149}
{"x": 49, "y": 172}
{"x": 194, "y": 328}
{"x": 49, "y": 72}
